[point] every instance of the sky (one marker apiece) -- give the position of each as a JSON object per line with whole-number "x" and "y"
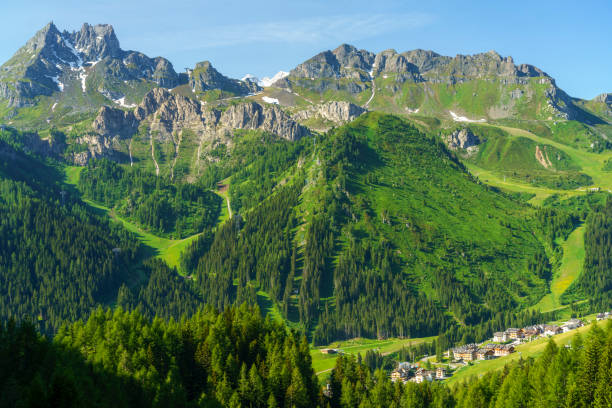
{"x": 570, "y": 40}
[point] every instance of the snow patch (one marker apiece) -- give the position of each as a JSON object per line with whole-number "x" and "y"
{"x": 458, "y": 118}
{"x": 60, "y": 85}
{"x": 75, "y": 52}
{"x": 53, "y": 107}
{"x": 121, "y": 102}
{"x": 267, "y": 81}
{"x": 83, "y": 77}
{"x": 267, "y": 99}
{"x": 250, "y": 78}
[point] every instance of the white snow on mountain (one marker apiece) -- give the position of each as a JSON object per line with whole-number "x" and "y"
{"x": 266, "y": 81}
{"x": 458, "y": 118}
{"x": 79, "y": 61}
{"x": 121, "y": 102}
{"x": 83, "y": 77}
{"x": 251, "y": 78}
{"x": 267, "y": 99}
{"x": 59, "y": 84}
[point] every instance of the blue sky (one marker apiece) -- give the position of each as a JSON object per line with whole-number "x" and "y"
{"x": 570, "y": 40}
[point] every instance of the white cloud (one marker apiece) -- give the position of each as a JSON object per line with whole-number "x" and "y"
{"x": 307, "y": 30}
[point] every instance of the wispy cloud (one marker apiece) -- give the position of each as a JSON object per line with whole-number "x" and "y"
{"x": 298, "y": 31}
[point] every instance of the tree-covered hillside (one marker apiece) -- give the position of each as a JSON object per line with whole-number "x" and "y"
{"x": 378, "y": 231}
{"x": 57, "y": 259}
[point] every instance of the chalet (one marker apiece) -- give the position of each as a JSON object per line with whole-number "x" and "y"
{"x": 329, "y": 351}
{"x": 440, "y": 373}
{"x": 571, "y": 325}
{"x": 530, "y": 332}
{"x": 500, "y": 337}
{"x": 484, "y": 354}
{"x": 405, "y": 365}
{"x": 551, "y": 330}
{"x": 465, "y": 353}
{"x": 604, "y": 315}
{"x": 400, "y": 374}
{"x": 423, "y": 375}
{"x": 503, "y": 350}
{"x": 514, "y": 333}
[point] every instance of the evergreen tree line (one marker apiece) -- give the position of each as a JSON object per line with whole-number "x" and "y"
{"x": 165, "y": 208}
{"x": 247, "y": 254}
{"x": 595, "y": 282}
{"x": 121, "y": 359}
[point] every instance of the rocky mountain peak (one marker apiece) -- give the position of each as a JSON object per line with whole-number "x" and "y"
{"x": 205, "y": 77}
{"x": 47, "y": 35}
{"x": 350, "y": 57}
{"x": 97, "y": 42}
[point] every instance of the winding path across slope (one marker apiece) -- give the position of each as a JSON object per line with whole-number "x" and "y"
{"x": 373, "y": 89}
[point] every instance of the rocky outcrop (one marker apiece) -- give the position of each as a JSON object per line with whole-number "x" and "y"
{"x": 462, "y": 138}
{"x": 338, "y": 112}
{"x": 168, "y": 114}
{"x": 113, "y": 122}
{"x": 269, "y": 118}
{"x": 604, "y": 98}
{"x": 204, "y": 77}
{"x": 97, "y": 146}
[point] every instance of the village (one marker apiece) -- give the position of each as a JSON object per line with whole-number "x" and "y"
{"x": 502, "y": 344}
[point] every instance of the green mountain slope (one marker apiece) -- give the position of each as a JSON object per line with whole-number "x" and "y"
{"x": 379, "y": 232}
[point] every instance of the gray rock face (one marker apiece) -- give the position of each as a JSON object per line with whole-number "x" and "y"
{"x": 604, "y": 98}
{"x": 462, "y": 139}
{"x": 96, "y": 42}
{"x": 350, "y": 57}
{"x": 270, "y": 118}
{"x": 338, "y": 112}
{"x": 339, "y": 63}
{"x": 169, "y": 114}
{"x": 115, "y": 122}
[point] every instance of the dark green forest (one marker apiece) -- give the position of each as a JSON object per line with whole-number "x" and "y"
{"x": 168, "y": 209}
{"x": 120, "y": 359}
{"x": 57, "y": 260}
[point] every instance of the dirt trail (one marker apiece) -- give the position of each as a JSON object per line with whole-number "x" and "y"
{"x": 153, "y": 156}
